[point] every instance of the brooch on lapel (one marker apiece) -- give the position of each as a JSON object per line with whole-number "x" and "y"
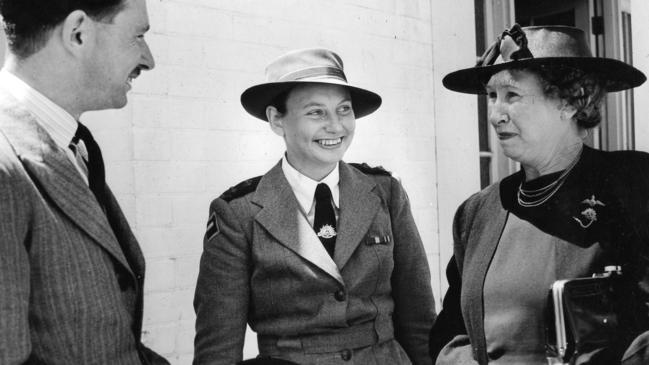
{"x": 589, "y": 215}
{"x": 327, "y": 232}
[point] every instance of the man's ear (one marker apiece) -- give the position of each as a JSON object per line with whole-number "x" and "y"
{"x": 274, "y": 118}
{"x": 76, "y": 31}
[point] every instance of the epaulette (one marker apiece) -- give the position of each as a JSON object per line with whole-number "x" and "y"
{"x": 241, "y": 189}
{"x": 369, "y": 170}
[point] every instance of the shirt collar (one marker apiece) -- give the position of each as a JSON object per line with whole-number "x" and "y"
{"x": 57, "y": 122}
{"x": 304, "y": 187}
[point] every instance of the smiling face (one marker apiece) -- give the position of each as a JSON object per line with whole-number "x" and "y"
{"x": 530, "y": 125}
{"x": 318, "y": 127}
{"x": 118, "y": 56}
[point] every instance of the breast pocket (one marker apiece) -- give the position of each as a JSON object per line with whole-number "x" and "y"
{"x": 379, "y": 238}
{"x": 375, "y": 261}
{"x": 382, "y": 245}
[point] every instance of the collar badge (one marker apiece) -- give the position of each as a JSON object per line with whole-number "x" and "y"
{"x": 327, "y": 232}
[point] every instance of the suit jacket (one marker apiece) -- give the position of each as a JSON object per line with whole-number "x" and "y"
{"x": 619, "y": 236}
{"x": 71, "y": 285}
{"x": 264, "y": 265}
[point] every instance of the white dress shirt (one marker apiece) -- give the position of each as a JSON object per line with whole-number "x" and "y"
{"x": 304, "y": 188}
{"x": 58, "y": 123}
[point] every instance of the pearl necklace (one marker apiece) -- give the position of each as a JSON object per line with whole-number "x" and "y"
{"x": 533, "y": 198}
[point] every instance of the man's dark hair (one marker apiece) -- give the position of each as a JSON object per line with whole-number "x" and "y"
{"x": 28, "y": 23}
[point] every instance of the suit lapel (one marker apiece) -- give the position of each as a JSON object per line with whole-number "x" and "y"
{"x": 55, "y": 175}
{"x": 281, "y": 217}
{"x": 358, "y": 206}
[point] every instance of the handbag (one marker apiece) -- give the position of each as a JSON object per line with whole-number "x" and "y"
{"x": 585, "y": 314}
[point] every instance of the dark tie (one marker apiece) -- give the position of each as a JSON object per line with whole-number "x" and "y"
{"x": 94, "y": 163}
{"x": 324, "y": 222}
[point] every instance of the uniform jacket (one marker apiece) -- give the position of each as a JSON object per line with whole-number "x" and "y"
{"x": 71, "y": 287}
{"x": 257, "y": 268}
{"x": 620, "y": 236}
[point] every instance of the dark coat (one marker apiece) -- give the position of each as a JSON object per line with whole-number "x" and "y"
{"x": 265, "y": 266}
{"x": 620, "y": 179}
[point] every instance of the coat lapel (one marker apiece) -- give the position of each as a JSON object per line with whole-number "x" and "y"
{"x": 281, "y": 217}
{"x": 55, "y": 175}
{"x": 483, "y": 241}
{"x": 358, "y": 206}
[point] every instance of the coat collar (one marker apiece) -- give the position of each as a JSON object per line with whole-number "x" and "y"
{"x": 279, "y": 215}
{"x": 54, "y": 174}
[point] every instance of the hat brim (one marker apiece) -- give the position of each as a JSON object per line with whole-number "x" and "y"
{"x": 257, "y": 98}
{"x": 617, "y": 75}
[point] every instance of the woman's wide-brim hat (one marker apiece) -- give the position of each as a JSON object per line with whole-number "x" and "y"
{"x": 547, "y": 46}
{"x": 314, "y": 66}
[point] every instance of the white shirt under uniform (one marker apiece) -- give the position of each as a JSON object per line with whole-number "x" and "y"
{"x": 304, "y": 188}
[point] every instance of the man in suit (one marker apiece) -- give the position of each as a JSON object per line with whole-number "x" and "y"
{"x": 322, "y": 258}
{"x": 71, "y": 271}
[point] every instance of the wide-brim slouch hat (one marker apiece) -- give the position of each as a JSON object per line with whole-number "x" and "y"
{"x": 544, "y": 46}
{"x": 314, "y": 66}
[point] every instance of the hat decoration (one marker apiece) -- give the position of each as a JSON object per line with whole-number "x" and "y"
{"x": 512, "y": 44}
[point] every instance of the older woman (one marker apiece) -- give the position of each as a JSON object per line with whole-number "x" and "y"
{"x": 569, "y": 212}
{"x": 322, "y": 258}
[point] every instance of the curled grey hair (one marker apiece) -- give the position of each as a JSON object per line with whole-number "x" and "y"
{"x": 582, "y": 90}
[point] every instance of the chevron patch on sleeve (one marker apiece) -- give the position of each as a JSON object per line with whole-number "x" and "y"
{"x": 212, "y": 227}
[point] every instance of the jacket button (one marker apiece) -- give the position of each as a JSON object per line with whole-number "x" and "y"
{"x": 339, "y": 295}
{"x": 346, "y": 355}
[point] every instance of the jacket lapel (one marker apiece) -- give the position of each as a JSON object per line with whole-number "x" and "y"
{"x": 358, "y": 206}
{"x": 312, "y": 249}
{"x": 55, "y": 175}
{"x": 482, "y": 243}
{"x": 281, "y": 217}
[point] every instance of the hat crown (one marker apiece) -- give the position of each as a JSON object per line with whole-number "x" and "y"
{"x": 542, "y": 42}
{"x": 306, "y": 65}
{"x": 557, "y": 41}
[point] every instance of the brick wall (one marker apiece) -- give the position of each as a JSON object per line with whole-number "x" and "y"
{"x": 184, "y": 138}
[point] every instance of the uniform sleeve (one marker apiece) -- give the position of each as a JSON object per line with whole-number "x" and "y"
{"x": 414, "y": 311}
{"x": 15, "y": 342}
{"x": 222, "y": 291}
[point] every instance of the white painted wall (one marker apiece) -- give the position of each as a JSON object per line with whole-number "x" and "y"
{"x": 640, "y": 36}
